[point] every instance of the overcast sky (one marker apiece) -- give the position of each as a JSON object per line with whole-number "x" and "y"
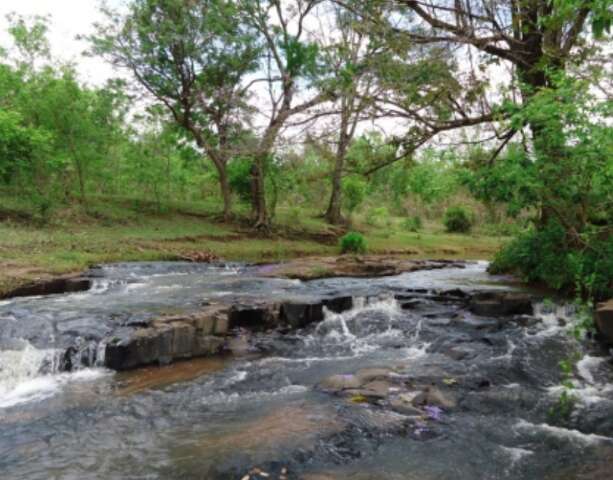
{"x": 69, "y": 18}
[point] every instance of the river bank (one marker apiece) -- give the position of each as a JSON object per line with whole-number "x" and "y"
{"x": 107, "y": 232}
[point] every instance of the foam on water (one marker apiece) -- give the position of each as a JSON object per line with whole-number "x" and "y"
{"x": 516, "y": 453}
{"x": 370, "y": 324}
{"x": 43, "y": 387}
{"x": 562, "y": 433}
{"x": 220, "y": 398}
{"x": 585, "y": 365}
{"x": 508, "y": 356}
{"x": 555, "y": 319}
{"x": 586, "y": 389}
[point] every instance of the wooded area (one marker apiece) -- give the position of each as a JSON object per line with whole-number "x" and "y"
{"x": 487, "y": 115}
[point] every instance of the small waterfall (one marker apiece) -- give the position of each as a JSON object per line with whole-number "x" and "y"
{"x": 555, "y": 318}
{"x": 352, "y": 323}
{"x": 23, "y": 362}
{"x": 28, "y": 373}
{"x": 371, "y": 323}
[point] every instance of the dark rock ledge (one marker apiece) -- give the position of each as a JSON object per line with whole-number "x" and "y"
{"x": 50, "y": 287}
{"x": 211, "y": 330}
{"x": 206, "y": 332}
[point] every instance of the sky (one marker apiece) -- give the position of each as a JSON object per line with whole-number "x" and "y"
{"x": 69, "y": 18}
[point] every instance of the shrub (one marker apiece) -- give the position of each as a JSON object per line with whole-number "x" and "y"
{"x": 458, "y": 220}
{"x": 354, "y": 192}
{"x": 239, "y": 177}
{"x": 353, "y": 242}
{"x": 376, "y": 217}
{"x": 545, "y": 255}
{"x": 412, "y": 224}
{"x": 294, "y": 215}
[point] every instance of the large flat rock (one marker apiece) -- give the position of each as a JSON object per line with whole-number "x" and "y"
{"x": 311, "y": 268}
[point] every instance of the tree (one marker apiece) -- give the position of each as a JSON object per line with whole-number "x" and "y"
{"x": 78, "y": 124}
{"x": 193, "y": 57}
{"x": 290, "y": 61}
{"x": 536, "y": 37}
{"x": 350, "y": 57}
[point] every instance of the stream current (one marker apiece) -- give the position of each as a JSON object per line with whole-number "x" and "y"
{"x": 218, "y": 418}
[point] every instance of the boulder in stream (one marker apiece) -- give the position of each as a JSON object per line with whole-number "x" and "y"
{"x": 604, "y": 320}
{"x": 168, "y": 339}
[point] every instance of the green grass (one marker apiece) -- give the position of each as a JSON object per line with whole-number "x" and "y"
{"x": 121, "y": 229}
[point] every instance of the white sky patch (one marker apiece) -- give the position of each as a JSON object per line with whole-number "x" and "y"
{"x": 68, "y": 19}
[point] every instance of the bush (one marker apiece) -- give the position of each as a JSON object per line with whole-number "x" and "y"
{"x": 458, "y": 220}
{"x": 353, "y": 242}
{"x": 377, "y": 217}
{"x": 354, "y": 192}
{"x": 239, "y": 177}
{"x": 412, "y": 224}
{"x": 295, "y": 215}
{"x": 545, "y": 256}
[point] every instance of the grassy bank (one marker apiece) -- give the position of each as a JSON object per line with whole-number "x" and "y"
{"x": 111, "y": 230}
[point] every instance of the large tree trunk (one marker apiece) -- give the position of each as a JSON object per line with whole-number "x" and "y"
{"x": 261, "y": 219}
{"x": 226, "y": 193}
{"x": 224, "y": 186}
{"x": 333, "y": 214}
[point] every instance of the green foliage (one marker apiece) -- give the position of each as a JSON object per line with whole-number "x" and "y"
{"x": 301, "y": 57}
{"x": 511, "y": 180}
{"x": 239, "y": 175}
{"x": 563, "y": 408}
{"x": 20, "y": 147}
{"x": 353, "y": 242}
{"x": 377, "y": 217}
{"x": 545, "y": 255}
{"x": 458, "y": 219}
{"x": 354, "y": 192}
{"x": 432, "y": 178}
{"x": 412, "y": 224}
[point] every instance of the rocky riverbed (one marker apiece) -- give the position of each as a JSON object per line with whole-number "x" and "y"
{"x": 433, "y": 370}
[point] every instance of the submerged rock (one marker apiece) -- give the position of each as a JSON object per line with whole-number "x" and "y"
{"x": 404, "y": 404}
{"x": 493, "y": 304}
{"x": 338, "y": 383}
{"x": 434, "y": 397}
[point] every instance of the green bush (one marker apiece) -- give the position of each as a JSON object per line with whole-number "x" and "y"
{"x": 377, "y": 217}
{"x": 412, "y": 224}
{"x": 458, "y": 219}
{"x": 546, "y": 256}
{"x": 295, "y": 215}
{"x": 239, "y": 177}
{"x": 354, "y": 192}
{"x": 353, "y": 242}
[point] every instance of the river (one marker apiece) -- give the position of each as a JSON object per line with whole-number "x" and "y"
{"x": 223, "y": 417}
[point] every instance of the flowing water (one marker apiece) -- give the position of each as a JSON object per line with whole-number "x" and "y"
{"x": 218, "y": 418}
